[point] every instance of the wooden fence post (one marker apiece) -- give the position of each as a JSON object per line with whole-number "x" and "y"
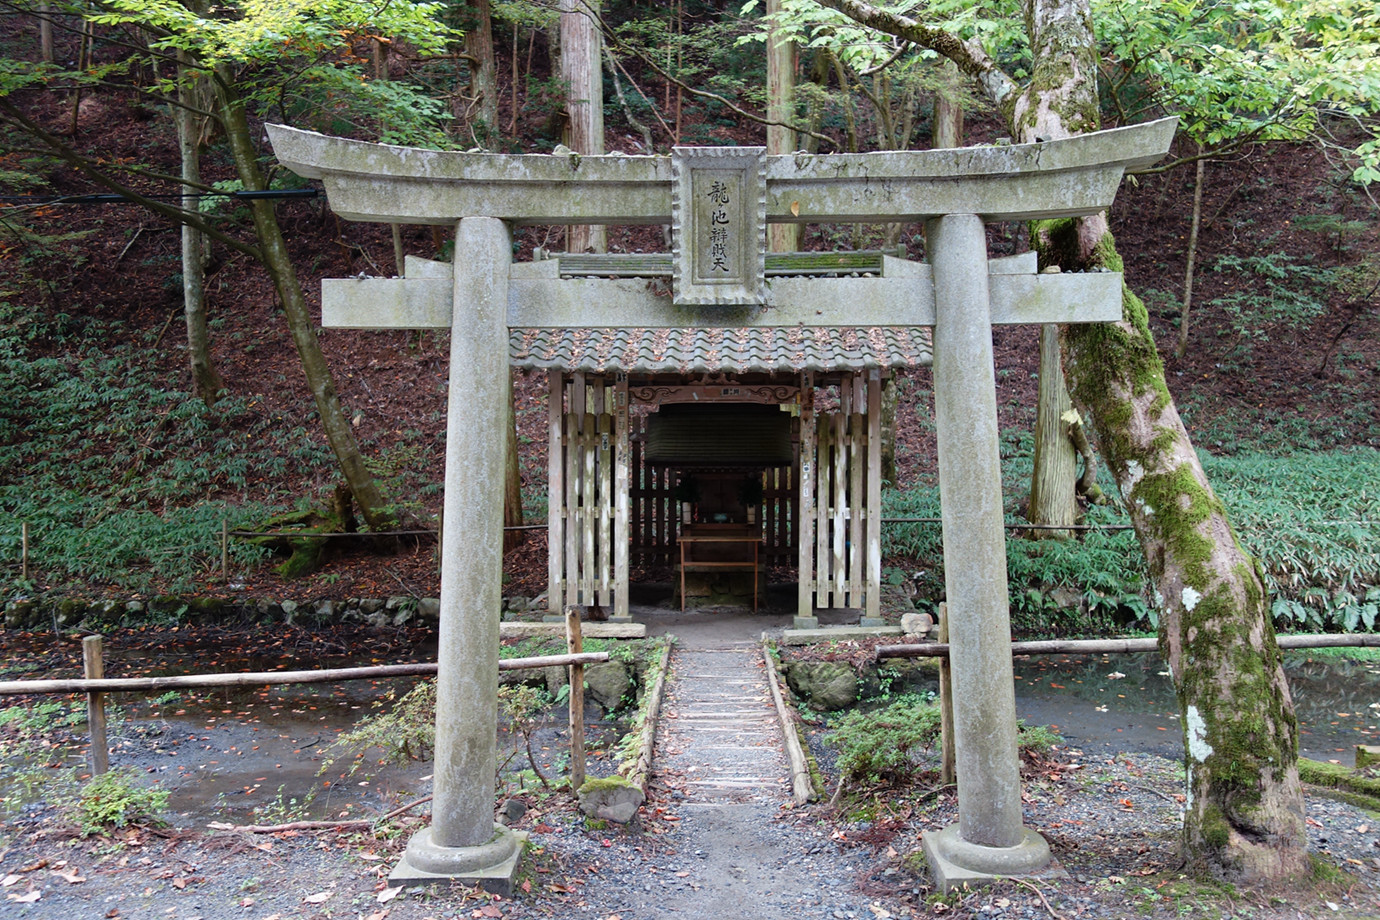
{"x": 574, "y": 641}
{"x": 947, "y": 765}
{"x": 93, "y": 666}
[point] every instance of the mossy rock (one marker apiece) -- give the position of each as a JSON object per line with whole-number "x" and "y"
{"x": 609, "y": 683}
{"x": 611, "y": 798}
{"x": 825, "y": 685}
{"x": 1342, "y": 783}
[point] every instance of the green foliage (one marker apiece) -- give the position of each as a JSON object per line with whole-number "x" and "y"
{"x": 881, "y": 746}
{"x": 40, "y": 720}
{"x": 254, "y": 32}
{"x": 521, "y": 709}
{"x": 1272, "y": 291}
{"x": 1244, "y": 69}
{"x": 70, "y": 418}
{"x": 113, "y": 800}
{"x": 1311, "y": 517}
{"x": 896, "y": 80}
{"x": 403, "y": 728}
{"x": 1313, "y": 522}
{"x": 700, "y": 49}
{"x": 1036, "y": 738}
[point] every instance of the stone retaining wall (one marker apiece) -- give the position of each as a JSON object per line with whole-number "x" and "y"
{"x": 67, "y": 613}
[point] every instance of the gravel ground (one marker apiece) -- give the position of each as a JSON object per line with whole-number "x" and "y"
{"x": 1112, "y": 827}
{"x": 1112, "y": 824}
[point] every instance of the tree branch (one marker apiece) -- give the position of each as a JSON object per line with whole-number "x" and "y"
{"x": 611, "y": 40}
{"x": 97, "y": 175}
{"x": 970, "y": 56}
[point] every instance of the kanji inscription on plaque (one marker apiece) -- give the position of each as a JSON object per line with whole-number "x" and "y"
{"x": 719, "y": 221}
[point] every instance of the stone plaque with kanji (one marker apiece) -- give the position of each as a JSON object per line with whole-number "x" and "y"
{"x": 719, "y": 225}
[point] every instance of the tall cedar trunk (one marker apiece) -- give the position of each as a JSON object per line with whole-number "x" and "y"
{"x": 781, "y": 59}
{"x": 583, "y": 74}
{"x": 381, "y": 74}
{"x": 512, "y": 481}
{"x": 1244, "y": 814}
{"x": 1053, "y": 502}
{"x": 45, "y": 32}
{"x": 1181, "y": 346}
{"x": 206, "y": 381}
{"x": 479, "y": 45}
{"x": 339, "y": 434}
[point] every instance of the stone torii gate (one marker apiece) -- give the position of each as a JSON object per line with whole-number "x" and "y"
{"x": 719, "y": 201}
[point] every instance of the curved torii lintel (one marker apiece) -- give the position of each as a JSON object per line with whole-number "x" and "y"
{"x": 1063, "y": 178}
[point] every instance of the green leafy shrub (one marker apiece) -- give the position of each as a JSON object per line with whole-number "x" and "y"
{"x": 1272, "y": 289}
{"x": 121, "y": 480}
{"x": 1313, "y": 522}
{"x": 404, "y": 730}
{"x": 1036, "y": 738}
{"x": 113, "y": 800}
{"x": 880, "y": 746}
{"x": 1312, "y": 519}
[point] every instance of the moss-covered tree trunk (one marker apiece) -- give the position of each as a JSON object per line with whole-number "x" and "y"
{"x": 339, "y": 434}
{"x": 1244, "y": 814}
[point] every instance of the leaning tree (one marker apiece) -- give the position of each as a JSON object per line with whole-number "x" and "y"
{"x": 1244, "y": 812}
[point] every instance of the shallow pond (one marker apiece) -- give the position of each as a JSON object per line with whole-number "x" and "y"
{"x": 1126, "y": 702}
{"x": 255, "y": 754}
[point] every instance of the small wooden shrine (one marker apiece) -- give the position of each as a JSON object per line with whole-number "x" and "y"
{"x": 717, "y": 451}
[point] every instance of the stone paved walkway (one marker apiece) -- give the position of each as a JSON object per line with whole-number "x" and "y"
{"x": 720, "y": 734}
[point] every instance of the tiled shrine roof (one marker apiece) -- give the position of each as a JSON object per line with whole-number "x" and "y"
{"x": 735, "y": 350}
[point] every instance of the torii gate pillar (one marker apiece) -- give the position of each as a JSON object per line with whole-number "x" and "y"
{"x": 989, "y": 838}
{"x": 464, "y": 842}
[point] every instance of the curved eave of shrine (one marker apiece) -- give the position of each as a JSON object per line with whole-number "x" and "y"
{"x": 1062, "y": 178}
{"x": 771, "y": 350}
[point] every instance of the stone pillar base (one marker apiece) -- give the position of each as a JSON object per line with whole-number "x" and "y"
{"x": 805, "y": 623}
{"x": 492, "y": 865}
{"x": 954, "y": 862}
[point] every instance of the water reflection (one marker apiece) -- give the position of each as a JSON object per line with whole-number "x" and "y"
{"x": 1106, "y": 701}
